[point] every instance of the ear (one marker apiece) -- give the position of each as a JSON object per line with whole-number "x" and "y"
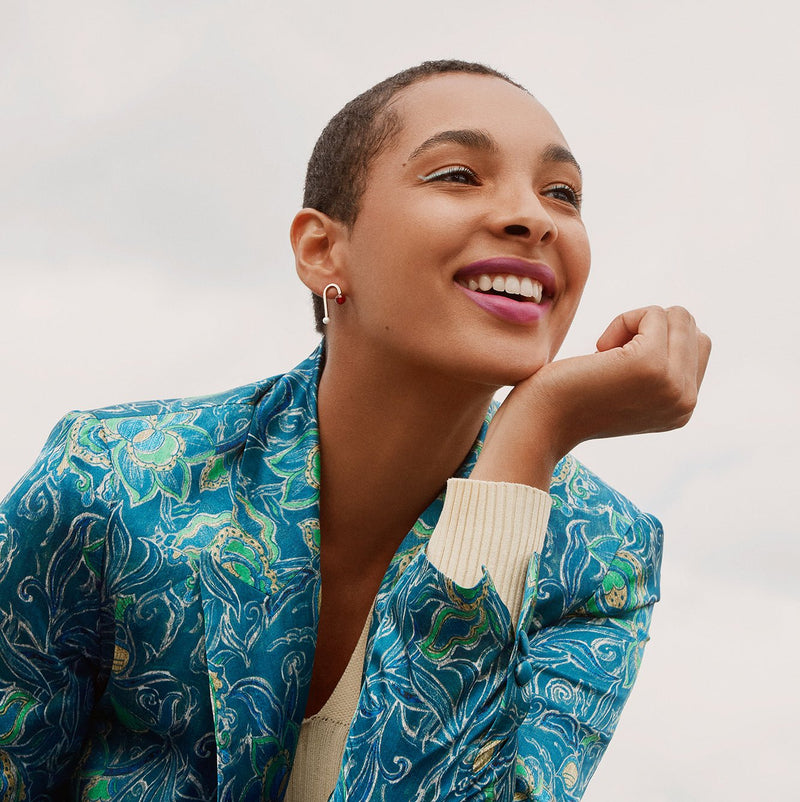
{"x": 315, "y": 240}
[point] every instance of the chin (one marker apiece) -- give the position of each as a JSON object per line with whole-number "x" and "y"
{"x": 512, "y": 379}
{"x": 509, "y": 361}
{"x": 494, "y": 364}
{"x": 509, "y": 373}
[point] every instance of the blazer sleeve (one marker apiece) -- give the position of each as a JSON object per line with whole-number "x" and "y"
{"x": 458, "y": 702}
{"x": 53, "y": 621}
{"x": 583, "y": 667}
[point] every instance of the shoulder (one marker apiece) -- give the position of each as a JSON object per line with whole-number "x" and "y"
{"x": 594, "y": 533}
{"x": 165, "y": 447}
{"x": 236, "y": 402}
{"x": 146, "y": 447}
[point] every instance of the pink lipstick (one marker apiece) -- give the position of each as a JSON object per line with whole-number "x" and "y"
{"x": 525, "y": 310}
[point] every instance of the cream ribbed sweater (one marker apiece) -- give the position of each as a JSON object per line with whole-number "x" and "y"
{"x": 493, "y": 524}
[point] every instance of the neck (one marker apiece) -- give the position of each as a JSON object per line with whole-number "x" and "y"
{"x": 390, "y": 436}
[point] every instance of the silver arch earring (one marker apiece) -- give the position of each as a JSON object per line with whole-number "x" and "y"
{"x": 339, "y": 298}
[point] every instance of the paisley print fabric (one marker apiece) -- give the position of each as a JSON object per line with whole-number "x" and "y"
{"x": 159, "y": 592}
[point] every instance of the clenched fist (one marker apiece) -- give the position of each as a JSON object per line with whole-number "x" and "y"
{"x": 644, "y": 377}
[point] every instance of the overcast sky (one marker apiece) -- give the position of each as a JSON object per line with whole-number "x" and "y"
{"x": 152, "y": 157}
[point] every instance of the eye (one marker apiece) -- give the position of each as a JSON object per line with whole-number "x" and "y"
{"x": 455, "y": 174}
{"x": 566, "y": 193}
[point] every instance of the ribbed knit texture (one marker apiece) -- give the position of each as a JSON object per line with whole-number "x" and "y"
{"x": 498, "y": 525}
{"x": 494, "y": 524}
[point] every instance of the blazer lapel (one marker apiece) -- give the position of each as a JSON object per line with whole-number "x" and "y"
{"x": 260, "y": 585}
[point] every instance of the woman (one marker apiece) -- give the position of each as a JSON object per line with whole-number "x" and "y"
{"x": 190, "y": 588}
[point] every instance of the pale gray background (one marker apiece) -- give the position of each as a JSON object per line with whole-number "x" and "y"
{"x": 151, "y": 158}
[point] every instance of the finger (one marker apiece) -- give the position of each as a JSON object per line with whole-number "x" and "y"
{"x": 683, "y": 353}
{"x": 704, "y": 352}
{"x": 649, "y": 321}
{"x": 621, "y": 330}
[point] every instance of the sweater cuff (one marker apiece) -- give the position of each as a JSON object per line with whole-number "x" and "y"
{"x": 498, "y": 525}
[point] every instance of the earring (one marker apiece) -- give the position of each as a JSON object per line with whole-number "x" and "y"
{"x": 340, "y": 299}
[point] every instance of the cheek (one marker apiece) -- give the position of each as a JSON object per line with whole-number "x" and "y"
{"x": 578, "y": 257}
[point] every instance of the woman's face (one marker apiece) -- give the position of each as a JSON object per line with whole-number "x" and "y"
{"x": 478, "y": 189}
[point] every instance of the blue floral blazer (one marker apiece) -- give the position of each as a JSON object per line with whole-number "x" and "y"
{"x": 159, "y": 594}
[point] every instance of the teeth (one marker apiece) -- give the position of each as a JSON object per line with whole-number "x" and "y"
{"x": 530, "y": 289}
{"x": 508, "y": 283}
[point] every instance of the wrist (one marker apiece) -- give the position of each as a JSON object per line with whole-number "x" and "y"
{"x": 529, "y": 434}
{"x": 518, "y": 463}
{"x": 538, "y": 478}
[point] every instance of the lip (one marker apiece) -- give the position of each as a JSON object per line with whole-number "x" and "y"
{"x": 517, "y": 267}
{"x": 522, "y": 312}
{"x": 512, "y": 311}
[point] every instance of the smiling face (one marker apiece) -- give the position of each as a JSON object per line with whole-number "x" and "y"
{"x": 468, "y": 256}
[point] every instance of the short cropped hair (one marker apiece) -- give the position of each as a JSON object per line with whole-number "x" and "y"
{"x": 337, "y": 170}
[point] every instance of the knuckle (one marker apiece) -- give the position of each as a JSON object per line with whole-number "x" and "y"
{"x": 685, "y": 407}
{"x": 678, "y": 393}
{"x": 677, "y": 422}
{"x": 682, "y": 314}
{"x": 674, "y": 396}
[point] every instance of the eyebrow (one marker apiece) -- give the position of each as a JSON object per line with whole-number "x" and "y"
{"x": 482, "y": 140}
{"x": 468, "y": 137}
{"x": 558, "y": 153}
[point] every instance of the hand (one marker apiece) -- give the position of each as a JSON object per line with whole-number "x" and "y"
{"x": 644, "y": 377}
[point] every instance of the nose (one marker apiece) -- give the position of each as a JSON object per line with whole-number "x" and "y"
{"x": 521, "y": 214}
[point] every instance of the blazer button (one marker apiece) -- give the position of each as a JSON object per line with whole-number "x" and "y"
{"x": 523, "y": 673}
